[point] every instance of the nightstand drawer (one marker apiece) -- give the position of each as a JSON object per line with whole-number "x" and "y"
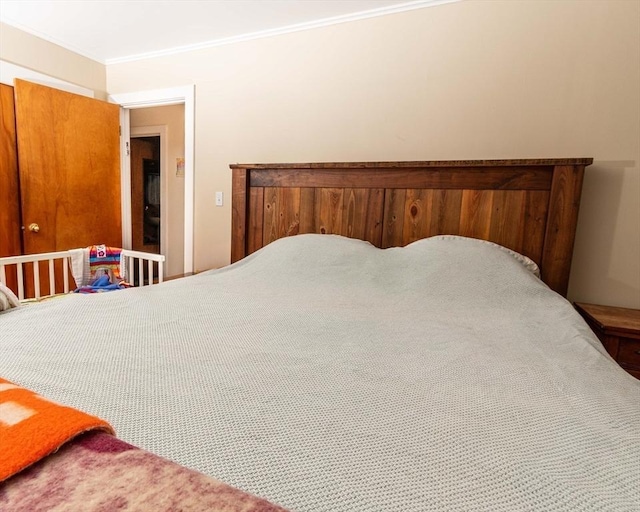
{"x": 629, "y": 352}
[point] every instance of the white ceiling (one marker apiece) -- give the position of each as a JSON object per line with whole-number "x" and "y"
{"x": 112, "y": 31}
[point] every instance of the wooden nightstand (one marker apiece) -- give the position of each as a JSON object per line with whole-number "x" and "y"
{"x": 619, "y": 331}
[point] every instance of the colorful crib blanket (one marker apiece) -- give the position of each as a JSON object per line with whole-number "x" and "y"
{"x": 98, "y": 268}
{"x": 102, "y": 284}
{"x": 105, "y": 259}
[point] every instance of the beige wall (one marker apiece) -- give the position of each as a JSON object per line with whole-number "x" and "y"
{"x": 34, "y": 53}
{"x": 473, "y": 79}
{"x": 466, "y": 80}
{"x": 173, "y": 118}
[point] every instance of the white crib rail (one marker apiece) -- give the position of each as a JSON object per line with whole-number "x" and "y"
{"x": 8, "y": 263}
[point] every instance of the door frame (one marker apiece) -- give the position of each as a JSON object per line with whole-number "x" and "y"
{"x": 159, "y": 131}
{"x": 157, "y": 98}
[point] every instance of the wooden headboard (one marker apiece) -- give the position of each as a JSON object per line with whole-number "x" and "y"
{"x": 530, "y": 206}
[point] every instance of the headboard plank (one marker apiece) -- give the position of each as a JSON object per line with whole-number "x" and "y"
{"x": 367, "y": 204}
{"x": 418, "y": 211}
{"x": 307, "y": 210}
{"x": 475, "y": 213}
{"x": 530, "y": 206}
{"x": 508, "y": 218}
{"x": 515, "y": 178}
{"x": 446, "y": 212}
{"x": 535, "y": 221}
{"x": 328, "y": 212}
{"x": 256, "y": 219}
{"x": 564, "y": 203}
{"x": 239, "y": 227}
{"x": 393, "y": 218}
{"x": 289, "y": 207}
{"x": 281, "y": 213}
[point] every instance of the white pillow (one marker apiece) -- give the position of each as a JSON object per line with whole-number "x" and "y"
{"x": 8, "y": 299}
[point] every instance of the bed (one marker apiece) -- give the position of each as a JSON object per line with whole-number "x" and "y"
{"x": 402, "y": 360}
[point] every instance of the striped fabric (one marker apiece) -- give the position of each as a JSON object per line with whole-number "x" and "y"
{"x": 105, "y": 259}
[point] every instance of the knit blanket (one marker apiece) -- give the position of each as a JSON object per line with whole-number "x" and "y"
{"x": 327, "y": 375}
{"x": 32, "y": 427}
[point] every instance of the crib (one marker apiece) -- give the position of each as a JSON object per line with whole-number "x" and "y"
{"x": 28, "y": 275}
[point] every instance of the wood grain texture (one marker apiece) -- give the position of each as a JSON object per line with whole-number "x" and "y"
{"x": 10, "y": 221}
{"x": 535, "y": 222}
{"x": 393, "y": 221}
{"x": 564, "y": 203}
{"x": 612, "y": 319}
{"x": 328, "y": 210}
{"x": 10, "y": 233}
{"x": 445, "y": 212}
{"x": 522, "y": 162}
{"x": 507, "y": 218}
{"x": 418, "y": 207}
{"x": 363, "y": 214}
{"x": 69, "y": 154}
{"x": 256, "y": 219}
{"x": 475, "y": 213}
{"x": 355, "y": 213}
{"x": 269, "y": 230}
{"x": 516, "y": 178}
{"x": 69, "y": 169}
{"x": 239, "y": 198}
{"x": 307, "y": 210}
{"x": 619, "y": 331}
{"x": 281, "y": 213}
{"x": 391, "y": 204}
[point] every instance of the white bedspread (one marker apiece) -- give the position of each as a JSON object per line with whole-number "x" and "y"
{"x": 327, "y": 375}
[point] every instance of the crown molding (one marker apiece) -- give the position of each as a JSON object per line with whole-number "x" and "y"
{"x": 335, "y": 20}
{"x": 53, "y": 40}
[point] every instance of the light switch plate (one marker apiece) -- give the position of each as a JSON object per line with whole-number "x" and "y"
{"x": 219, "y": 198}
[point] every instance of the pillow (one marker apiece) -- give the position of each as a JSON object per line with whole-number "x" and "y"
{"x": 8, "y": 299}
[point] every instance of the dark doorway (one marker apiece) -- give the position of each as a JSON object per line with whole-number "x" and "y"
{"x": 145, "y": 194}
{"x": 145, "y": 199}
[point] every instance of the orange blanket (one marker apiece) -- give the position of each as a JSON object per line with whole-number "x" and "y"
{"x": 32, "y": 427}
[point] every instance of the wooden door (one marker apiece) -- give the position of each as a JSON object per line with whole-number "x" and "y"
{"x": 69, "y": 166}
{"x": 10, "y": 239}
{"x": 69, "y": 172}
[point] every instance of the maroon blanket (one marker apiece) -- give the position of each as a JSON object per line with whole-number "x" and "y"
{"x": 98, "y": 472}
